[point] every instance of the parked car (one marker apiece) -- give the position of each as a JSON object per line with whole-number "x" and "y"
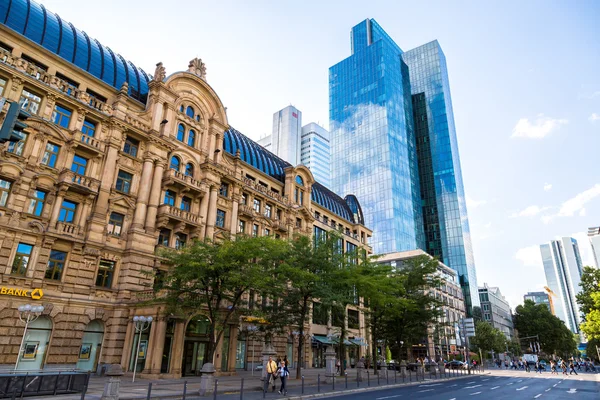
{"x": 428, "y": 365}
{"x": 455, "y": 364}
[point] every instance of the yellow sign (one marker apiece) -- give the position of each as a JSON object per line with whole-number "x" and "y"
{"x": 34, "y": 294}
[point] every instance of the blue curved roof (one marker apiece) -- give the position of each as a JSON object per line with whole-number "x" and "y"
{"x": 267, "y": 162}
{"x": 47, "y": 29}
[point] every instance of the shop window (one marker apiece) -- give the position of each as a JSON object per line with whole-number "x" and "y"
{"x": 56, "y": 265}
{"x": 106, "y": 270}
{"x": 21, "y": 260}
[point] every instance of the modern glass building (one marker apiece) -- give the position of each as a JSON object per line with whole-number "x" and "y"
{"x": 393, "y": 145}
{"x": 563, "y": 268}
{"x": 594, "y": 235}
{"x": 315, "y": 152}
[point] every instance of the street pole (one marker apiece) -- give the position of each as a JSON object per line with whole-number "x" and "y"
{"x": 141, "y": 323}
{"x": 27, "y": 314}
{"x": 598, "y": 351}
{"x": 251, "y": 332}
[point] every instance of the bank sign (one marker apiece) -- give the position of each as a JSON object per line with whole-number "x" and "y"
{"x": 34, "y": 294}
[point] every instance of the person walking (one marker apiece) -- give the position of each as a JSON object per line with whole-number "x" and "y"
{"x": 563, "y": 366}
{"x": 538, "y": 367}
{"x": 527, "y": 369}
{"x": 283, "y": 373}
{"x": 572, "y": 368}
{"x": 553, "y": 368}
{"x": 271, "y": 373}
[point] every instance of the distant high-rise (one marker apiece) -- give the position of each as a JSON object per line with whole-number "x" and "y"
{"x": 563, "y": 268}
{"x": 540, "y": 298}
{"x": 594, "y": 235}
{"x": 393, "y": 145}
{"x": 496, "y": 310}
{"x": 297, "y": 144}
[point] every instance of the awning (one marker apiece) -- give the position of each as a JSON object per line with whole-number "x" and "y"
{"x": 323, "y": 340}
{"x": 358, "y": 342}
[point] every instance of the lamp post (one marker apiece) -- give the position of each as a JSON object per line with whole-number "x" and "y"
{"x": 251, "y": 332}
{"x": 141, "y": 324}
{"x": 27, "y": 314}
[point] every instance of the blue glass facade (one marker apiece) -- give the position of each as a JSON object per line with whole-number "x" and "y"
{"x": 47, "y": 29}
{"x": 394, "y": 146}
{"x": 372, "y": 138}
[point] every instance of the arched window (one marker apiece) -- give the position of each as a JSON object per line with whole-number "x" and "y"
{"x": 191, "y": 138}
{"x": 189, "y": 111}
{"x": 189, "y": 169}
{"x": 181, "y": 108}
{"x": 180, "y": 132}
{"x": 299, "y": 180}
{"x": 198, "y": 117}
{"x": 175, "y": 163}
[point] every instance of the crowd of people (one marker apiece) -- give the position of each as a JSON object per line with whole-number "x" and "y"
{"x": 568, "y": 367}
{"x": 278, "y": 370}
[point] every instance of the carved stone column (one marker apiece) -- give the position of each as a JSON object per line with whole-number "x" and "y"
{"x": 143, "y": 194}
{"x": 107, "y": 180}
{"x": 212, "y": 213}
{"x": 60, "y": 195}
{"x": 234, "y": 210}
{"x": 154, "y": 196}
{"x": 156, "y": 346}
{"x": 204, "y": 214}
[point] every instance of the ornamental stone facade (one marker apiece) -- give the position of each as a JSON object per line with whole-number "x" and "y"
{"x": 107, "y": 172}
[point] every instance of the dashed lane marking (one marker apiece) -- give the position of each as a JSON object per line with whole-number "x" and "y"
{"x": 468, "y": 383}
{"x": 473, "y": 394}
{"x": 509, "y": 383}
{"x": 535, "y": 397}
{"x": 472, "y": 387}
{"x": 495, "y": 387}
{"x": 426, "y": 390}
{"x": 522, "y": 388}
{"x": 483, "y": 380}
{"x": 388, "y": 397}
{"x": 549, "y": 389}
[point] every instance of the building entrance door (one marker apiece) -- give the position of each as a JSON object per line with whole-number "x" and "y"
{"x": 194, "y": 356}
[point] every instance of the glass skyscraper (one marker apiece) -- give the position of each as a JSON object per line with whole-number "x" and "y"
{"x": 393, "y": 144}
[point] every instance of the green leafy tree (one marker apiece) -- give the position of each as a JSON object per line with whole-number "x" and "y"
{"x": 514, "y": 347}
{"x": 210, "y": 278}
{"x": 488, "y": 338}
{"x": 554, "y": 337}
{"x": 477, "y": 314}
{"x": 590, "y": 283}
{"x": 591, "y": 326}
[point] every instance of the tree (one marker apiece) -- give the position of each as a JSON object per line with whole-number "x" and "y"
{"x": 477, "y": 314}
{"x": 590, "y": 283}
{"x": 514, "y": 347}
{"x": 210, "y": 278}
{"x": 591, "y": 326}
{"x": 554, "y": 337}
{"x": 488, "y": 338}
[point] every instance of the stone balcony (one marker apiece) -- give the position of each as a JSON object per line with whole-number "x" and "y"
{"x": 178, "y": 214}
{"x": 176, "y": 178}
{"x": 79, "y": 183}
{"x": 64, "y": 228}
{"x": 87, "y": 143}
{"x": 246, "y": 210}
{"x": 279, "y": 225}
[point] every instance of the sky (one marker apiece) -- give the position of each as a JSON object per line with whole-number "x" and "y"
{"x": 524, "y": 78}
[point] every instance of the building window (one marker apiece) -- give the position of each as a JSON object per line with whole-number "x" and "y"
{"x": 298, "y": 223}
{"x": 79, "y": 165}
{"x": 67, "y": 211}
{"x": 30, "y": 102}
{"x": 189, "y": 169}
{"x": 224, "y": 189}
{"x": 115, "y": 224}
{"x": 186, "y": 204}
{"x": 50, "y": 155}
{"x": 353, "y": 319}
{"x": 189, "y": 111}
{"x": 36, "y": 204}
{"x": 21, "y": 261}
{"x": 254, "y": 230}
{"x": 17, "y": 147}
{"x": 169, "y": 197}
{"x": 124, "y": 180}
{"x": 180, "y": 132}
{"x": 241, "y": 226}
{"x": 279, "y": 214}
{"x": 4, "y": 191}
{"x": 61, "y": 116}
{"x": 191, "y": 138}
{"x": 88, "y": 128}
{"x": 267, "y": 232}
{"x": 180, "y": 240}
{"x": 299, "y": 180}
{"x": 268, "y": 211}
{"x": 256, "y": 205}
{"x": 106, "y": 269}
{"x": 486, "y": 316}
{"x": 56, "y": 265}
{"x": 220, "y": 219}
{"x": 2, "y": 86}
{"x": 319, "y": 314}
{"x": 131, "y": 146}
{"x": 244, "y": 198}
{"x": 164, "y": 237}
{"x": 175, "y": 163}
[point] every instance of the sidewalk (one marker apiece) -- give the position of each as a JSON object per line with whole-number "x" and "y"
{"x": 230, "y": 387}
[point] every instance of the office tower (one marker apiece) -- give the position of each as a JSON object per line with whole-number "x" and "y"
{"x": 496, "y": 310}
{"x": 297, "y": 144}
{"x": 541, "y": 298}
{"x": 562, "y": 266}
{"x": 594, "y": 235}
{"x": 393, "y": 144}
{"x": 315, "y": 153}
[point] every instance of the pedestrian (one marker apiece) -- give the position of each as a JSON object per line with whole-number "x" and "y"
{"x": 538, "y": 367}
{"x": 527, "y": 369}
{"x": 553, "y": 368}
{"x": 271, "y": 373}
{"x": 563, "y": 366}
{"x": 572, "y": 368}
{"x": 337, "y": 366}
{"x": 283, "y": 373}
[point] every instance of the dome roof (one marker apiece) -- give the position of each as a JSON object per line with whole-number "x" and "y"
{"x": 47, "y": 29}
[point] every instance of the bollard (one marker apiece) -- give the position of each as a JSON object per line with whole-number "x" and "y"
{"x": 395, "y": 373}
{"x": 319, "y": 383}
{"x": 242, "y": 390}
{"x": 302, "y": 384}
{"x": 357, "y": 380}
{"x": 378, "y": 374}
{"x": 215, "y": 392}
{"x": 387, "y": 377}
{"x": 184, "y": 389}
{"x": 368, "y": 378}
{"x": 430, "y": 375}
{"x": 346, "y": 378}
{"x": 85, "y": 386}
{"x": 409, "y": 375}
{"x": 265, "y": 387}
{"x": 149, "y": 391}
{"x": 14, "y": 396}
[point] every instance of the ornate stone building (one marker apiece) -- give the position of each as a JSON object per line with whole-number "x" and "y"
{"x": 114, "y": 163}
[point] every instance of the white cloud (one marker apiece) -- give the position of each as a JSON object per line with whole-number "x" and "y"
{"x": 474, "y": 203}
{"x": 547, "y": 187}
{"x": 585, "y": 248}
{"x": 537, "y": 129}
{"x": 530, "y": 256}
{"x": 591, "y": 96}
{"x": 575, "y": 204}
{"x": 530, "y": 211}
{"x": 582, "y": 212}
{"x": 594, "y": 117}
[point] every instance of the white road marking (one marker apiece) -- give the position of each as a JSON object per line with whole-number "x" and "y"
{"x": 555, "y": 385}
{"x": 472, "y": 387}
{"x": 426, "y": 390}
{"x": 473, "y": 394}
{"x": 388, "y": 397}
{"x": 483, "y": 380}
{"x": 495, "y": 387}
{"x": 468, "y": 383}
{"x": 523, "y": 388}
{"x": 520, "y": 380}
{"x": 572, "y": 390}
{"x": 547, "y": 390}
{"x": 535, "y": 397}
{"x": 454, "y": 398}
{"x": 454, "y": 385}
{"x": 509, "y": 383}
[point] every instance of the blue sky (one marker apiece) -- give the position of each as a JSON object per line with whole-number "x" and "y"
{"x": 523, "y": 75}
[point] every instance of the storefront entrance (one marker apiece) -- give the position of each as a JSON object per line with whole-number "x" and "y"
{"x": 91, "y": 343}
{"x": 35, "y": 345}
{"x": 195, "y": 346}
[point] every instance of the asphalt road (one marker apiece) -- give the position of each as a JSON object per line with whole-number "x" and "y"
{"x": 510, "y": 386}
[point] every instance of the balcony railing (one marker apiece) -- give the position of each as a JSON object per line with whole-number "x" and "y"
{"x": 89, "y": 142}
{"x": 264, "y": 190}
{"x": 178, "y": 213}
{"x": 186, "y": 180}
{"x": 65, "y": 228}
{"x": 246, "y": 209}
{"x": 79, "y": 182}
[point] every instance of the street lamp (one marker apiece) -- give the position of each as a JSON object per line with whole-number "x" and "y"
{"x": 252, "y": 329}
{"x": 27, "y": 314}
{"x": 141, "y": 324}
